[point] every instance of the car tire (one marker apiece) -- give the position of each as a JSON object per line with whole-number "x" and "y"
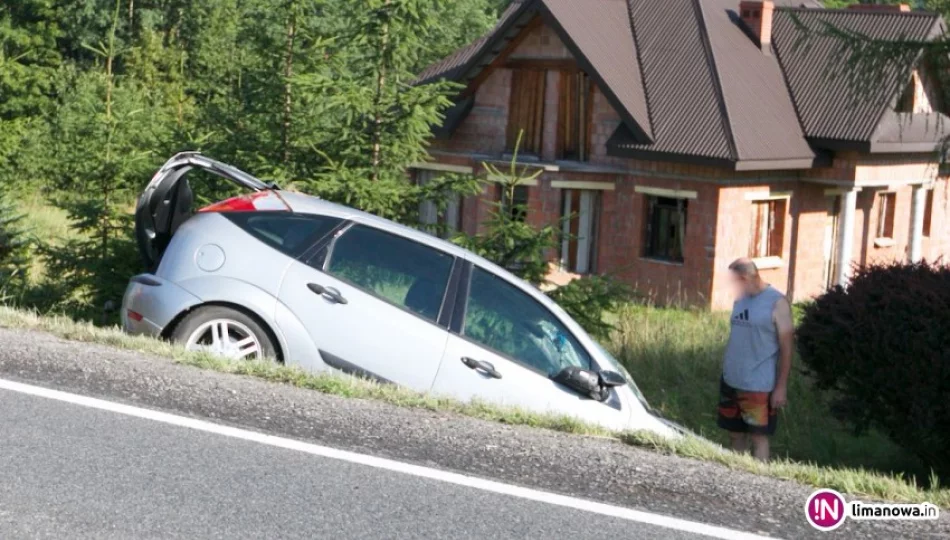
{"x": 201, "y": 330}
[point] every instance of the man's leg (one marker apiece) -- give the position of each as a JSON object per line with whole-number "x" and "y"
{"x": 729, "y": 418}
{"x": 760, "y": 447}
{"x": 740, "y": 441}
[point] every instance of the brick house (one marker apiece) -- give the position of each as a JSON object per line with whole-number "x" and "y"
{"x": 682, "y": 134}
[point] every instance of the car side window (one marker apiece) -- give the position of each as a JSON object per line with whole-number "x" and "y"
{"x": 289, "y": 233}
{"x": 398, "y": 270}
{"x": 505, "y": 319}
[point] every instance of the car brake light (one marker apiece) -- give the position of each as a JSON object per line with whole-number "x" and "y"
{"x": 253, "y": 202}
{"x": 135, "y": 316}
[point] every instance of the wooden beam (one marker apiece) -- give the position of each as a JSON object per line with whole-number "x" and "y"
{"x": 545, "y": 64}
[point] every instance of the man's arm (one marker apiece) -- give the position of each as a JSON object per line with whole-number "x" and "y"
{"x": 782, "y": 315}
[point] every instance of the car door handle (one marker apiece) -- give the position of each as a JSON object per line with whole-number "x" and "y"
{"x": 479, "y": 365}
{"x": 328, "y": 292}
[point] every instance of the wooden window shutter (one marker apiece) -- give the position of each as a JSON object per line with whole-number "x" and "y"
{"x": 776, "y": 227}
{"x": 526, "y": 110}
{"x": 574, "y": 115}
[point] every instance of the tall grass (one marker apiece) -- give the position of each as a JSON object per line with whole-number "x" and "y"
{"x": 675, "y": 356}
{"x": 46, "y": 225}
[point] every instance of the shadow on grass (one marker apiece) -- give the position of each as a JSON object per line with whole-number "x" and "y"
{"x": 676, "y": 358}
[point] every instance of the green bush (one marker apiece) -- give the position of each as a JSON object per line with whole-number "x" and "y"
{"x": 883, "y": 345}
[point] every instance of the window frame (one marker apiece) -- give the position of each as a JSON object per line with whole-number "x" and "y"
{"x": 445, "y": 228}
{"x": 462, "y": 304}
{"x": 239, "y": 219}
{"x": 775, "y": 224}
{"x": 509, "y": 206}
{"x": 886, "y": 215}
{"x": 449, "y": 296}
{"x": 683, "y": 206}
{"x": 571, "y": 243}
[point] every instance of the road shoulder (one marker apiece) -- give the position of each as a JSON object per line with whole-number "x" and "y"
{"x": 601, "y": 470}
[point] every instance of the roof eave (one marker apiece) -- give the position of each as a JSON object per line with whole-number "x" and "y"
{"x": 839, "y": 145}
{"x": 453, "y": 117}
{"x": 927, "y": 147}
{"x": 782, "y": 164}
{"x": 646, "y": 154}
{"x": 878, "y": 147}
{"x": 669, "y": 157}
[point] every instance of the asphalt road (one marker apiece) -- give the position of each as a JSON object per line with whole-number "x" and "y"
{"x": 81, "y": 470}
{"x": 75, "y": 472}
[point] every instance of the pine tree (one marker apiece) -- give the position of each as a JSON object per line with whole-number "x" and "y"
{"x": 14, "y": 252}
{"x": 104, "y": 134}
{"x": 379, "y": 122}
{"x": 507, "y": 240}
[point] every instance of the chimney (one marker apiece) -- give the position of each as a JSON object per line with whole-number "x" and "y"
{"x": 879, "y": 7}
{"x": 757, "y": 17}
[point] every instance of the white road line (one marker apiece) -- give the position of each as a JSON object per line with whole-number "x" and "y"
{"x": 386, "y": 464}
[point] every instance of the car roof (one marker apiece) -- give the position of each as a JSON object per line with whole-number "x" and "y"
{"x": 308, "y": 204}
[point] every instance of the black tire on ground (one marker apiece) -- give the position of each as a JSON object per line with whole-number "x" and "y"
{"x": 196, "y": 318}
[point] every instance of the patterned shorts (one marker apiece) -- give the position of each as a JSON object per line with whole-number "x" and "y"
{"x": 746, "y": 412}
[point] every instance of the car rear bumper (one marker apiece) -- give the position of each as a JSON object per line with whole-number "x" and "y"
{"x": 151, "y": 303}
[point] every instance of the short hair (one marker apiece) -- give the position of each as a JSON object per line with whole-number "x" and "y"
{"x": 745, "y": 268}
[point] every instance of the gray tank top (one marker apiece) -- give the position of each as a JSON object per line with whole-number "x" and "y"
{"x": 753, "y": 350}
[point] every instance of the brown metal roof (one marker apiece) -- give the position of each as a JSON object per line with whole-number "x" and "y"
{"x": 600, "y": 32}
{"x": 757, "y": 105}
{"x": 681, "y": 88}
{"x": 831, "y": 106}
{"x": 690, "y": 84}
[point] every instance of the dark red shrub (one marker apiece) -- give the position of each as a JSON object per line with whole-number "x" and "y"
{"x": 883, "y": 343}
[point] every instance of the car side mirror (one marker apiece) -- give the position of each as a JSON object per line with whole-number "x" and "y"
{"x": 611, "y": 379}
{"x": 583, "y": 381}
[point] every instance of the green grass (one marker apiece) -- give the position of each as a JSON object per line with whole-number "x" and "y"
{"x": 47, "y": 224}
{"x": 44, "y": 219}
{"x": 675, "y": 356}
{"x": 855, "y": 481}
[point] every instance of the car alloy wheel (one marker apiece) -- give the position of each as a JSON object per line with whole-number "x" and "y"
{"x": 227, "y": 338}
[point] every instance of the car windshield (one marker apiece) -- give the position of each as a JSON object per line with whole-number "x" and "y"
{"x": 618, "y": 367}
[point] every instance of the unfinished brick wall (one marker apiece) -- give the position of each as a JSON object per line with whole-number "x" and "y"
{"x": 734, "y": 237}
{"x": 622, "y": 243}
{"x": 484, "y": 130}
{"x": 812, "y": 240}
{"x": 541, "y": 43}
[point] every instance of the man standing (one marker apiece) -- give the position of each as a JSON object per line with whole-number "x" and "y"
{"x": 757, "y": 362}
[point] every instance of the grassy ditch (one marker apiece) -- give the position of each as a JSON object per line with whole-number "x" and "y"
{"x": 676, "y": 358}
{"x": 855, "y": 481}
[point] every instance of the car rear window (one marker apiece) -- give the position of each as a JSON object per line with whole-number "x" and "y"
{"x": 290, "y": 233}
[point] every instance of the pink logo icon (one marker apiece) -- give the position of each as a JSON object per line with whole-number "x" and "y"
{"x": 825, "y": 509}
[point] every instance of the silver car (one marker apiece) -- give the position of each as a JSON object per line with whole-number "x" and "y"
{"x": 289, "y": 277}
